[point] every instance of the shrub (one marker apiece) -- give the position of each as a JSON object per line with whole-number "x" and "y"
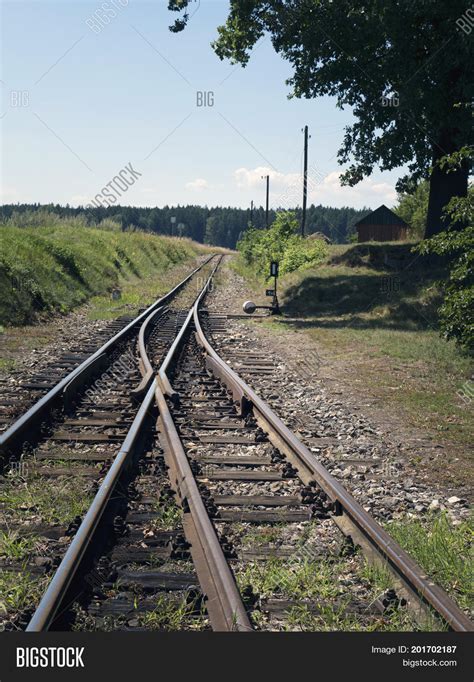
{"x": 457, "y": 312}
{"x": 280, "y": 243}
{"x": 300, "y": 253}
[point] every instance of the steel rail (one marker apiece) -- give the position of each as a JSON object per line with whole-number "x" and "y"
{"x": 24, "y": 424}
{"x": 46, "y": 611}
{"x": 146, "y": 370}
{"x": 224, "y": 602}
{"x": 410, "y": 573}
{"x": 57, "y": 588}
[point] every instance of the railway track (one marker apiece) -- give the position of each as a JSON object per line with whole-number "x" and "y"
{"x": 19, "y": 393}
{"x": 213, "y": 515}
{"x": 59, "y": 385}
{"x": 56, "y": 454}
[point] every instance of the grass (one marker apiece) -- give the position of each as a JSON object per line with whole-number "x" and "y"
{"x": 302, "y": 579}
{"x": 329, "y": 602}
{"x": 379, "y": 325}
{"x": 16, "y": 547}
{"x": 444, "y": 551}
{"x": 54, "y": 269}
{"x": 53, "y": 505}
{"x": 169, "y": 516}
{"x": 170, "y": 615}
{"x": 20, "y": 590}
{"x": 261, "y": 535}
{"x": 137, "y": 292}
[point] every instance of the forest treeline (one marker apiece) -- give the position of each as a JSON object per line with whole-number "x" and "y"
{"x": 220, "y": 226}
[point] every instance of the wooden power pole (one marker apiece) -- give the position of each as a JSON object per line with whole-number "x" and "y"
{"x": 305, "y": 180}
{"x": 267, "y": 178}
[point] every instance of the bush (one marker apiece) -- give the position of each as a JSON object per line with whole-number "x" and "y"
{"x": 301, "y": 253}
{"x": 457, "y": 312}
{"x": 44, "y": 218}
{"x": 413, "y": 209}
{"x": 280, "y": 243}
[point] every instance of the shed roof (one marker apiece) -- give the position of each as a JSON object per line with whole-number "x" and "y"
{"x": 381, "y": 216}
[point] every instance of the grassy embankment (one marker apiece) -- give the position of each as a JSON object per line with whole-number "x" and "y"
{"x": 372, "y": 309}
{"x": 55, "y": 269}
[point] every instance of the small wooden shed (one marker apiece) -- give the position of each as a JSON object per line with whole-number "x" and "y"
{"x": 382, "y": 225}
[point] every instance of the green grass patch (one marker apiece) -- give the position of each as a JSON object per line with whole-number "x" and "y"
{"x": 169, "y": 516}
{"x": 57, "y": 504}
{"x": 374, "y": 308}
{"x": 444, "y": 551}
{"x": 54, "y": 269}
{"x": 15, "y": 547}
{"x": 299, "y": 579}
{"x": 171, "y": 615}
{"x": 20, "y": 590}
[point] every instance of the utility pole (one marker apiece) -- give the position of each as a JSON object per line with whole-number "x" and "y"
{"x": 251, "y": 212}
{"x": 267, "y": 178}
{"x": 305, "y": 180}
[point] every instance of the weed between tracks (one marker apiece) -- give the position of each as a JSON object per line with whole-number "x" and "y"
{"x": 171, "y": 612}
{"x": 261, "y": 535}
{"x": 331, "y": 594}
{"x": 16, "y": 547}
{"x": 20, "y": 590}
{"x": 169, "y": 516}
{"x": 186, "y": 614}
{"x": 56, "y": 504}
{"x": 326, "y": 589}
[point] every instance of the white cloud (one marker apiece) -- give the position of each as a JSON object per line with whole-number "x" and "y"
{"x": 286, "y": 188}
{"x": 198, "y": 184}
{"x": 250, "y": 178}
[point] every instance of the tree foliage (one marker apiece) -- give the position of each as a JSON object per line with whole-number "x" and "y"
{"x": 457, "y": 245}
{"x": 403, "y": 67}
{"x": 280, "y": 242}
{"x": 413, "y": 208}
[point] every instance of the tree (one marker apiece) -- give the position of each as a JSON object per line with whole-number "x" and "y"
{"x": 403, "y": 67}
{"x": 280, "y": 242}
{"x": 457, "y": 246}
{"x": 413, "y": 208}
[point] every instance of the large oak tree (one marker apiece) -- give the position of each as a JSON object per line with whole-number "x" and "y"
{"x": 402, "y": 65}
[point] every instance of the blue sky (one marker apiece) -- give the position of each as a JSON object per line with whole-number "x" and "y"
{"x": 82, "y": 98}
